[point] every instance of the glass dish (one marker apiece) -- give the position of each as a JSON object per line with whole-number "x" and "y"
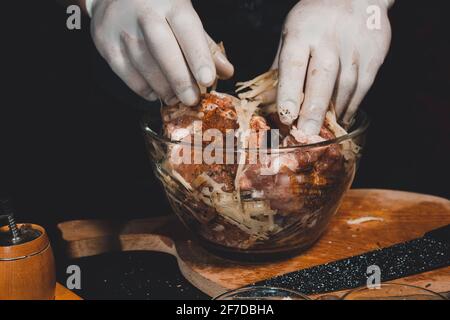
{"x": 393, "y": 291}
{"x": 277, "y": 216}
{"x": 261, "y": 293}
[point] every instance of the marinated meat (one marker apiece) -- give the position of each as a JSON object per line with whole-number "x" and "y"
{"x": 242, "y": 204}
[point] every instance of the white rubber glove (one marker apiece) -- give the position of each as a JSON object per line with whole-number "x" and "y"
{"x": 157, "y": 47}
{"x": 329, "y": 53}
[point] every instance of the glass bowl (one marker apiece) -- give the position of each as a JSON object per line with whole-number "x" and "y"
{"x": 270, "y": 216}
{"x": 393, "y": 291}
{"x": 261, "y": 293}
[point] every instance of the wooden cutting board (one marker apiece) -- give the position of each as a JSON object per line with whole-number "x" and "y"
{"x": 404, "y": 215}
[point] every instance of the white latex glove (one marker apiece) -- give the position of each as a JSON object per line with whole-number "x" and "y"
{"x": 157, "y": 47}
{"x": 328, "y": 53}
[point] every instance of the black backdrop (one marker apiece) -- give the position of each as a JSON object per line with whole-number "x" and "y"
{"x": 71, "y": 146}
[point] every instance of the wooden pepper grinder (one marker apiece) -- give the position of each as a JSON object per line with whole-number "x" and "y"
{"x": 27, "y": 267}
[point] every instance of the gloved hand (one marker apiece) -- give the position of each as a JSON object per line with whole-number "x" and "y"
{"x": 157, "y": 47}
{"x": 329, "y": 53}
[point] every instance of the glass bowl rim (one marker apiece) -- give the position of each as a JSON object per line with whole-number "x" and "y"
{"x": 395, "y": 284}
{"x": 248, "y": 288}
{"x": 362, "y": 122}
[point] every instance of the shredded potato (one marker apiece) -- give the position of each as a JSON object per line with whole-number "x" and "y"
{"x": 262, "y": 80}
{"x": 257, "y": 218}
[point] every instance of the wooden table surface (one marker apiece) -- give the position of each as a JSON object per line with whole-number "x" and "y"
{"x": 62, "y": 293}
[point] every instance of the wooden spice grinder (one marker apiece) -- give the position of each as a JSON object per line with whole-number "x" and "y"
{"x": 27, "y": 267}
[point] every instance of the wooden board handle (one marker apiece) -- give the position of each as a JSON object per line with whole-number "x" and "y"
{"x": 85, "y": 238}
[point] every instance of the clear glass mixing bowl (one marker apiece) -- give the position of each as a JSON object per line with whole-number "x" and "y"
{"x": 278, "y": 215}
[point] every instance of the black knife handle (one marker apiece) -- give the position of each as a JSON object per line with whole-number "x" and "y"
{"x": 442, "y": 234}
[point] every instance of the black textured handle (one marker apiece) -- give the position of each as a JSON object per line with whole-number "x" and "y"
{"x": 398, "y": 261}
{"x": 442, "y": 234}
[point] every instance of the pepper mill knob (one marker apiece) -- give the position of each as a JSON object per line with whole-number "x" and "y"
{"x": 8, "y": 214}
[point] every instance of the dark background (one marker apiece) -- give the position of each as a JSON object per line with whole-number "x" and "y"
{"x": 71, "y": 146}
{"x": 71, "y": 143}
